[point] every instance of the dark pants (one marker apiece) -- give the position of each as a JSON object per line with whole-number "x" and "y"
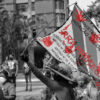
{"x": 13, "y": 79}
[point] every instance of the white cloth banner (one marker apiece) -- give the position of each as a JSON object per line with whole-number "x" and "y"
{"x": 58, "y": 42}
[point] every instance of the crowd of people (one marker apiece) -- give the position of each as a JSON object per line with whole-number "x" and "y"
{"x": 62, "y": 81}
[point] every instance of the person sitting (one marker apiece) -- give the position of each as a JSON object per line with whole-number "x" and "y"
{"x": 7, "y": 86}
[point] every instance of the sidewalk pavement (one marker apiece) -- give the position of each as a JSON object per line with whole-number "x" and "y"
{"x": 23, "y": 80}
{"x": 35, "y": 94}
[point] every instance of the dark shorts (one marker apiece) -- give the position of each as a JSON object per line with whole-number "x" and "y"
{"x": 27, "y": 73}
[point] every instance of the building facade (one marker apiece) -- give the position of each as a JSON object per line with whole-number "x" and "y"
{"x": 8, "y": 5}
{"x": 47, "y": 15}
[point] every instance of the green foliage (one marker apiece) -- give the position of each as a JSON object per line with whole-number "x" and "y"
{"x": 94, "y": 9}
{"x": 12, "y": 29}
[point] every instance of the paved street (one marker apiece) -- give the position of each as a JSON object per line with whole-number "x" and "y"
{"x": 37, "y": 87}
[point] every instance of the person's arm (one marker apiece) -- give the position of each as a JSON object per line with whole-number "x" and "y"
{"x": 16, "y": 68}
{"x": 1, "y": 93}
{"x": 50, "y": 83}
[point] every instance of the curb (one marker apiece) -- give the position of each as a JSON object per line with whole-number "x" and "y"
{"x": 23, "y": 80}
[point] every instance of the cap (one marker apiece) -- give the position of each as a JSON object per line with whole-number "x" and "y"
{"x": 64, "y": 68}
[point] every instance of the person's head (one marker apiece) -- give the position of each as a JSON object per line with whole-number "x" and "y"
{"x": 48, "y": 74}
{"x": 24, "y": 57}
{"x": 84, "y": 80}
{"x": 11, "y": 57}
{"x": 47, "y": 55}
{"x": 80, "y": 83}
{"x": 64, "y": 69}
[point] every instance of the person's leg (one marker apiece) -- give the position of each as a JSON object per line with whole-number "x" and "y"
{"x": 1, "y": 94}
{"x": 26, "y": 79}
{"x": 14, "y": 80}
{"x": 30, "y": 82}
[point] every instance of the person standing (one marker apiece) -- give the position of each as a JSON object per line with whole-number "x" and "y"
{"x": 27, "y": 72}
{"x": 13, "y": 68}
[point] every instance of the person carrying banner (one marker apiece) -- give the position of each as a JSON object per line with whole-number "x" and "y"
{"x": 62, "y": 88}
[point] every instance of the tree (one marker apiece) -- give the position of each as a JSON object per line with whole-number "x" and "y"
{"x": 12, "y": 29}
{"x": 94, "y": 12}
{"x": 94, "y": 9}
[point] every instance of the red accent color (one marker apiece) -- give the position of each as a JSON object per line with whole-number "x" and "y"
{"x": 63, "y": 32}
{"x": 67, "y": 26}
{"x": 47, "y": 41}
{"x": 94, "y": 38}
{"x": 68, "y": 49}
{"x": 63, "y": 42}
{"x": 98, "y": 84}
{"x": 79, "y": 16}
{"x": 98, "y": 68}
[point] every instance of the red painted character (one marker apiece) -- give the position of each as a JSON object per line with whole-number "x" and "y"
{"x": 98, "y": 69}
{"x": 47, "y": 41}
{"x": 94, "y": 38}
{"x": 79, "y": 16}
{"x": 68, "y": 49}
{"x": 64, "y": 31}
